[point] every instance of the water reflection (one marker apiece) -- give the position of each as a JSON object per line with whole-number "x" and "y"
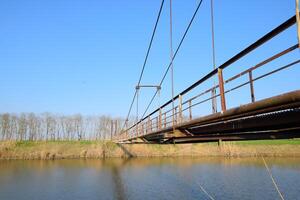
{"x": 149, "y": 178}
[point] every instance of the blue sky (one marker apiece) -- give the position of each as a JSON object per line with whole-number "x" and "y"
{"x": 71, "y": 56}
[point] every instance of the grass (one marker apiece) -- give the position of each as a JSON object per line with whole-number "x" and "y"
{"x": 103, "y": 149}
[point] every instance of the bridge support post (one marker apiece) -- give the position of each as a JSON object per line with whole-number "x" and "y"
{"x": 160, "y": 120}
{"x": 126, "y": 128}
{"x": 190, "y": 109}
{"x": 165, "y": 117}
{"x": 251, "y": 87}
{"x": 219, "y": 142}
{"x": 222, "y": 91}
{"x": 148, "y": 125}
{"x": 175, "y": 116}
{"x": 180, "y": 109}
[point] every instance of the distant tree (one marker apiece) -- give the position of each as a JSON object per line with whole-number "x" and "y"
{"x": 5, "y": 125}
{"x": 34, "y": 126}
{"x": 46, "y": 126}
{"x": 22, "y": 127}
{"x": 79, "y": 127}
{"x": 13, "y": 128}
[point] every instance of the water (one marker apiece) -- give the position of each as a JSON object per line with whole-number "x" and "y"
{"x": 159, "y": 178}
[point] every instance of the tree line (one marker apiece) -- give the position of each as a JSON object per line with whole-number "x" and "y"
{"x": 47, "y": 126}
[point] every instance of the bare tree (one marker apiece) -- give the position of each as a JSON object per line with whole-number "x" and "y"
{"x": 52, "y": 127}
{"x": 5, "y": 125}
{"x": 78, "y": 126}
{"x": 22, "y": 127}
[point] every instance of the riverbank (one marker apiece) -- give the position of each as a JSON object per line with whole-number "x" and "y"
{"x": 98, "y": 149}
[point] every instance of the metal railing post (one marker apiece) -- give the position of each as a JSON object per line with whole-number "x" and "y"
{"x": 251, "y": 87}
{"x": 180, "y": 109}
{"x": 190, "y": 109}
{"x": 160, "y": 120}
{"x": 175, "y": 115}
{"x": 222, "y": 91}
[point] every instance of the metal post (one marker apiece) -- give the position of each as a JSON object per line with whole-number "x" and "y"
{"x": 180, "y": 109}
{"x": 251, "y": 87}
{"x": 126, "y": 128}
{"x": 137, "y": 104}
{"x": 298, "y": 21}
{"x": 172, "y": 66}
{"x": 165, "y": 116}
{"x": 213, "y": 92}
{"x": 175, "y": 115}
{"x": 137, "y": 110}
{"x": 222, "y": 92}
{"x": 190, "y": 109}
{"x": 147, "y": 125}
{"x": 160, "y": 118}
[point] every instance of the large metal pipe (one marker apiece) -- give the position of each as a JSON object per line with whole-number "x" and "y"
{"x": 287, "y": 100}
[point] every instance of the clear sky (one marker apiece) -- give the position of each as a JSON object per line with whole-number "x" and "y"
{"x": 85, "y": 56}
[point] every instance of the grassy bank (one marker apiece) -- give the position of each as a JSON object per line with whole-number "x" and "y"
{"x": 98, "y": 149}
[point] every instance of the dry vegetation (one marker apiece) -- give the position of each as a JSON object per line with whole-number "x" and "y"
{"x": 97, "y": 149}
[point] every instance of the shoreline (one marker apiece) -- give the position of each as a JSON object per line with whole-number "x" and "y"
{"x": 52, "y": 150}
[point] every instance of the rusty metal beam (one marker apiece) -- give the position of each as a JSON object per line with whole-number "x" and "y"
{"x": 287, "y": 100}
{"x": 267, "y": 135}
{"x": 275, "y": 120}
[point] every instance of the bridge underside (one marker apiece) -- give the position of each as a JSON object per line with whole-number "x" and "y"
{"x": 273, "y": 118}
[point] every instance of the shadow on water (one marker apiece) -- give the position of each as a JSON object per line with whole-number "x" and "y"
{"x": 119, "y": 190}
{"x": 126, "y": 151}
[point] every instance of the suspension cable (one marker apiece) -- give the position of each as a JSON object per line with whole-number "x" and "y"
{"x": 298, "y": 21}
{"x": 137, "y": 104}
{"x": 146, "y": 58}
{"x": 172, "y": 65}
{"x": 174, "y": 56}
{"x": 214, "y": 101}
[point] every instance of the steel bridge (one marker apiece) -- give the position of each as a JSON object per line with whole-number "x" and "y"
{"x": 274, "y": 117}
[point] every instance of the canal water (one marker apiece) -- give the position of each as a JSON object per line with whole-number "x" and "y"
{"x": 151, "y": 178}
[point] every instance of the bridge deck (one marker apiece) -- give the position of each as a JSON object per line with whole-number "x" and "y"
{"x": 271, "y": 118}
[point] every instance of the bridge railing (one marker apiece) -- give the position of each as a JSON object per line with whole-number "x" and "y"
{"x": 167, "y": 116}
